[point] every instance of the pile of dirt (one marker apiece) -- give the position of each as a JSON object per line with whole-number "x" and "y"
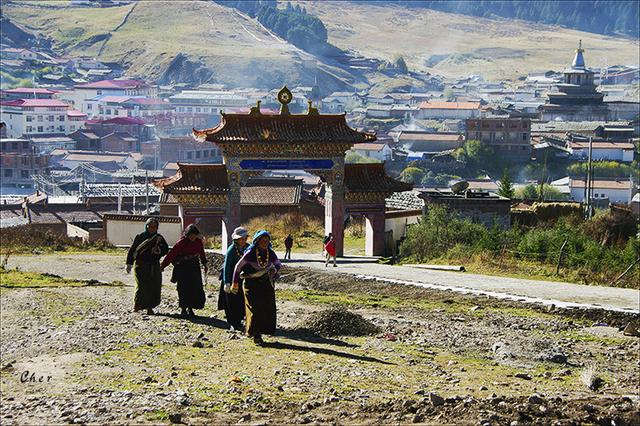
{"x": 339, "y": 322}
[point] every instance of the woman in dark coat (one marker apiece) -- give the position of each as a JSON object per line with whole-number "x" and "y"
{"x": 233, "y": 303}
{"x": 259, "y": 268}
{"x": 186, "y": 256}
{"x": 146, "y": 251}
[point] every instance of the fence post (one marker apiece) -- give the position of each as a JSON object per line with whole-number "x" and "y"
{"x": 560, "y": 256}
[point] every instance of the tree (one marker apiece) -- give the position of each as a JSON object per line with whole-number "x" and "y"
{"x": 401, "y": 65}
{"x": 506, "y": 186}
{"x": 412, "y": 175}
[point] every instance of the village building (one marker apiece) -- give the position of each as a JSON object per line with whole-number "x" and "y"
{"x": 482, "y": 207}
{"x": 378, "y": 151}
{"x": 27, "y": 93}
{"x": 424, "y": 143}
{"x": 182, "y": 149}
{"x": 210, "y": 102}
{"x": 615, "y": 190}
{"x": 85, "y": 91}
{"x": 440, "y": 110}
{"x": 110, "y": 161}
{"x": 602, "y": 150}
{"x": 508, "y": 137}
{"x": 19, "y": 162}
{"x": 26, "y": 118}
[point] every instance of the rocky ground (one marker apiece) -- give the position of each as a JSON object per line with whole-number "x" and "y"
{"x": 77, "y": 354}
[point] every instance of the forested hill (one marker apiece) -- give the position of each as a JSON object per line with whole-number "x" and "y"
{"x": 595, "y": 16}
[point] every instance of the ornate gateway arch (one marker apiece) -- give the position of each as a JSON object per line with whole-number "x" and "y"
{"x": 253, "y": 143}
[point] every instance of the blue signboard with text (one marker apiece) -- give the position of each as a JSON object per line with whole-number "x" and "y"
{"x": 286, "y": 164}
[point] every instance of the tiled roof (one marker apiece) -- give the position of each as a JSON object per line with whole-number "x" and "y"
{"x": 371, "y": 178}
{"x": 35, "y": 103}
{"x": 75, "y": 113}
{"x": 449, "y": 105}
{"x": 369, "y": 146}
{"x": 196, "y": 179}
{"x": 320, "y": 128}
{"x": 602, "y": 145}
{"x": 602, "y": 184}
{"x": 122, "y": 120}
{"x": 113, "y": 84}
{"x": 271, "y": 192}
{"x": 406, "y": 200}
{"x": 30, "y": 90}
{"x": 429, "y": 137}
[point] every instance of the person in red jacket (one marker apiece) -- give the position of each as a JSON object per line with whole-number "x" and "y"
{"x": 330, "y": 250}
{"x": 186, "y": 256}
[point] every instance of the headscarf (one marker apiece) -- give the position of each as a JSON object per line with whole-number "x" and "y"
{"x": 191, "y": 229}
{"x": 149, "y": 222}
{"x": 256, "y": 237}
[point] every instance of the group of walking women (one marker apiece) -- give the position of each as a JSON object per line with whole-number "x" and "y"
{"x": 247, "y": 291}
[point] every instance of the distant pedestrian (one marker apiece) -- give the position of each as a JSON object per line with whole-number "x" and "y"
{"x": 186, "y": 256}
{"x": 146, "y": 251}
{"x": 288, "y": 245}
{"x": 233, "y": 303}
{"x": 330, "y": 250}
{"x": 259, "y": 267}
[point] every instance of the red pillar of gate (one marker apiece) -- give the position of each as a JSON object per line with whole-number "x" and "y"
{"x": 374, "y": 234}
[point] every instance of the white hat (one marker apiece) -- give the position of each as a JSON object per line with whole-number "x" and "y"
{"x": 239, "y": 232}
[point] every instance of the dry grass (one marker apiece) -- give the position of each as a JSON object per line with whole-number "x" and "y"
{"x": 589, "y": 377}
{"x": 509, "y": 47}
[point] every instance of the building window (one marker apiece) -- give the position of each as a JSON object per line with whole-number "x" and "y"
{"x": 25, "y": 145}
{"x": 108, "y": 111}
{"x": 61, "y": 118}
{"x": 29, "y": 129}
{"x": 189, "y": 155}
{"x": 29, "y": 118}
{"x": 40, "y": 118}
{"x": 24, "y": 174}
{"x": 89, "y": 106}
{"x": 73, "y": 128}
{"x": 578, "y": 79}
{"x": 25, "y": 160}
{"x": 8, "y": 172}
{"x": 197, "y": 154}
{"x": 524, "y": 137}
{"x": 52, "y": 118}
{"x": 40, "y": 129}
{"x": 98, "y": 92}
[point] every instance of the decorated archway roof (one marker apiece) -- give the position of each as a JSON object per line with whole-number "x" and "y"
{"x": 371, "y": 178}
{"x": 256, "y": 127}
{"x": 201, "y": 179}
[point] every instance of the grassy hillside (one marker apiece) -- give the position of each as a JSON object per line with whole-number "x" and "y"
{"x": 204, "y": 41}
{"x": 217, "y": 42}
{"x": 497, "y": 48}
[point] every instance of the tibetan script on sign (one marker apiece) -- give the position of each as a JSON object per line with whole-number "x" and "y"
{"x": 286, "y": 164}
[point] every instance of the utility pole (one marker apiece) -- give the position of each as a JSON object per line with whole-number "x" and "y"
{"x": 589, "y": 178}
{"x": 146, "y": 183}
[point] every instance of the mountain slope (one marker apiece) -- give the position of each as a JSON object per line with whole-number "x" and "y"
{"x": 187, "y": 40}
{"x": 458, "y": 45}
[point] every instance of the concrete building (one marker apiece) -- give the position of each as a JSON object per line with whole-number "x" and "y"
{"x": 430, "y": 142}
{"x": 207, "y": 101}
{"x": 443, "y": 110}
{"x": 602, "y": 150}
{"x": 508, "y": 137}
{"x": 616, "y": 191}
{"x": 86, "y": 91}
{"x": 379, "y": 151}
{"x": 19, "y": 162}
{"x": 33, "y": 117}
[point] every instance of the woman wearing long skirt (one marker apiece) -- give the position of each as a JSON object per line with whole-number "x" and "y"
{"x": 186, "y": 256}
{"x": 146, "y": 251}
{"x": 233, "y": 303}
{"x": 259, "y": 268}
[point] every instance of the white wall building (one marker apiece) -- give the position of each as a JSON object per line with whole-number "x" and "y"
{"x": 617, "y": 191}
{"x": 618, "y": 151}
{"x": 111, "y": 87}
{"x": 207, "y": 102}
{"x": 378, "y": 151}
{"x": 33, "y": 117}
{"x": 443, "y": 110}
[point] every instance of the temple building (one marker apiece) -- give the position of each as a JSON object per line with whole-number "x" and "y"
{"x": 254, "y": 143}
{"x": 576, "y": 98}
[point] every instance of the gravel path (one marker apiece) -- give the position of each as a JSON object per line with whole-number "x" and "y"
{"x": 110, "y": 267}
{"x": 547, "y": 292}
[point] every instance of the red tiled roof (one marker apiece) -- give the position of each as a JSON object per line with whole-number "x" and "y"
{"x": 371, "y": 178}
{"x": 113, "y": 84}
{"x": 320, "y": 128}
{"x": 30, "y": 90}
{"x": 196, "y": 179}
{"x": 449, "y": 105}
{"x": 75, "y": 113}
{"x": 114, "y": 98}
{"x": 602, "y": 184}
{"x": 36, "y": 103}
